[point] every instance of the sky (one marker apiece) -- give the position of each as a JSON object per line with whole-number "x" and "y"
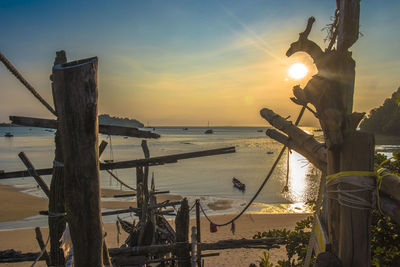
{"x": 173, "y": 62}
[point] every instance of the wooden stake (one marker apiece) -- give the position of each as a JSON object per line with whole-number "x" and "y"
{"x": 75, "y": 87}
{"x": 182, "y": 234}
{"x": 198, "y": 232}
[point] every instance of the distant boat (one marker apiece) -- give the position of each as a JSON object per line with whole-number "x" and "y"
{"x": 125, "y": 137}
{"x": 8, "y": 134}
{"x": 260, "y": 131}
{"x": 185, "y": 129}
{"x": 209, "y": 131}
{"x": 239, "y": 185}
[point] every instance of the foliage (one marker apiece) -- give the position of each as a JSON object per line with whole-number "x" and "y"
{"x": 386, "y": 118}
{"x": 296, "y": 242}
{"x": 264, "y": 261}
{"x": 385, "y": 234}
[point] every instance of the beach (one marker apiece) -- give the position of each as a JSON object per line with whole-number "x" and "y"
{"x": 25, "y": 205}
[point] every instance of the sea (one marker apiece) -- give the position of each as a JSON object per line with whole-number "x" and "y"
{"x": 206, "y": 178}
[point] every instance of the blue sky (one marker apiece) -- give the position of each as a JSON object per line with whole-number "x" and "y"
{"x": 187, "y": 62}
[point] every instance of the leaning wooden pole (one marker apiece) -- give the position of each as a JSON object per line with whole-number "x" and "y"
{"x": 76, "y": 94}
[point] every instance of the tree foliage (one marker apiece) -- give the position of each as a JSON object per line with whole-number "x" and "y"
{"x": 386, "y": 118}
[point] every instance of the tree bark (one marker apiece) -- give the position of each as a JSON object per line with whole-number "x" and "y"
{"x": 75, "y": 86}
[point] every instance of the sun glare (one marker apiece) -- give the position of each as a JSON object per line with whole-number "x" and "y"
{"x": 298, "y": 71}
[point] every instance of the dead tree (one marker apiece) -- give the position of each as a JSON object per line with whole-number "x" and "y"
{"x": 331, "y": 91}
{"x": 75, "y": 91}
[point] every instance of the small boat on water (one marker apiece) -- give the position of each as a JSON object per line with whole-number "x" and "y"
{"x": 238, "y": 184}
{"x": 270, "y": 152}
{"x": 259, "y": 131}
{"x": 185, "y": 129}
{"x": 209, "y": 130}
{"x": 8, "y": 134}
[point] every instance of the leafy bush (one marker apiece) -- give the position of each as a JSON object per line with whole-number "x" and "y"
{"x": 296, "y": 242}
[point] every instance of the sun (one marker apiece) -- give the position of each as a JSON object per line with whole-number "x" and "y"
{"x": 297, "y": 71}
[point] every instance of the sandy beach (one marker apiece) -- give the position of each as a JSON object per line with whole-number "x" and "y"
{"x": 25, "y": 205}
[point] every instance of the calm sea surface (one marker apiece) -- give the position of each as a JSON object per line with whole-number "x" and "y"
{"x": 207, "y": 178}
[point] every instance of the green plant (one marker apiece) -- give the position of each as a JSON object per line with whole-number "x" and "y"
{"x": 296, "y": 242}
{"x": 385, "y": 234}
{"x": 264, "y": 261}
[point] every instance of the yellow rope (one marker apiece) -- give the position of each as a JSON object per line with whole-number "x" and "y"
{"x": 378, "y": 175}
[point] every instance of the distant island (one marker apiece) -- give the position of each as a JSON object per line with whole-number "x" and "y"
{"x": 107, "y": 119}
{"x": 384, "y": 119}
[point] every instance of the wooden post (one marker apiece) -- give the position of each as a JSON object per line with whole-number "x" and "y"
{"x": 42, "y": 246}
{"x": 75, "y": 90}
{"x": 193, "y": 247}
{"x": 182, "y": 234}
{"x": 357, "y": 155}
{"x": 198, "y": 232}
{"x": 56, "y": 197}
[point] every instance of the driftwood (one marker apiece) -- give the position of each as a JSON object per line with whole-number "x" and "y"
{"x": 11, "y": 255}
{"x": 155, "y": 161}
{"x": 297, "y": 139}
{"x": 42, "y": 247}
{"x": 33, "y": 173}
{"x": 75, "y": 87}
{"x": 264, "y": 243}
{"x": 103, "y": 129}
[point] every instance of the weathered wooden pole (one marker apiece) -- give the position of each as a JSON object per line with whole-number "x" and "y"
{"x": 198, "y": 237}
{"x": 42, "y": 246}
{"x": 32, "y": 171}
{"x": 56, "y": 197}
{"x": 75, "y": 91}
{"x": 182, "y": 235}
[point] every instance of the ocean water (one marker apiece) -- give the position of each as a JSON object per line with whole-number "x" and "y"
{"x": 208, "y": 178}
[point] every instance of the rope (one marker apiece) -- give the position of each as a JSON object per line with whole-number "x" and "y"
{"x": 286, "y": 187}
{"x": 18, "y": 75}
{"x": 41, "y": 252}
{"x": 261, "y": 186}
{"x": 346, "y": 197}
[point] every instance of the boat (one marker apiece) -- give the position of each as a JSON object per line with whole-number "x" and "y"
{"x": 8, "y": 134}
{"x": 209, "y": 131}
{"x": 270, "y": 152}
{"x": 259, "y": 131}
{"x": 239, "y": 185}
